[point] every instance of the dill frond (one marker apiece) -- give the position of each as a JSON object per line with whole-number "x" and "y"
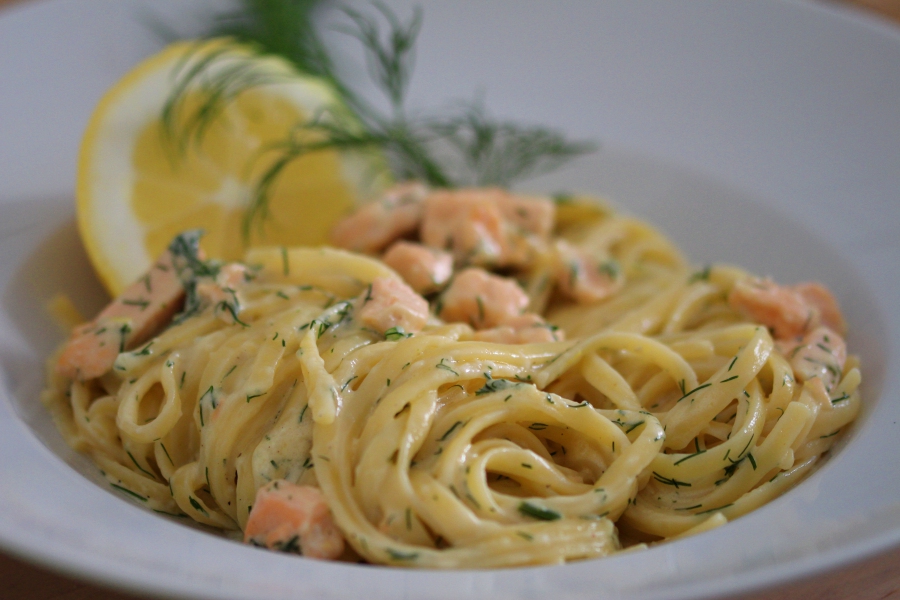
{"x": 502, "y": 152}
{"x": 390, "y": 62}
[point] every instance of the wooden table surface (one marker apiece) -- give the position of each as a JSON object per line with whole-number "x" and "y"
{"x": 875, "y": 578}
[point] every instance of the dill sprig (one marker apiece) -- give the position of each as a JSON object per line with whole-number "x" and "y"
{"x": 499, "y": 153}
{"x": 390, "y": 60}
{"x": 461, "y": 146}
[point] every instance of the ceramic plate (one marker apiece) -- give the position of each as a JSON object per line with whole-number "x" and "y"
{"x": 761, "y": 133}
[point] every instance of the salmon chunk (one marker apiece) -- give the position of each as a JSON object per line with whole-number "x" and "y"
{"x": 374, "y": 226}
{"x": 789, "y": 311}
{"x": 424, "y": 269}
{"x": 528, "y": 213}
{"x": 469, "y": 224}
{"x": 582, "y": 277}
{"x": 486, "y": 227}
{"x": 821, "y": 354}
{"x": 819, "y": 297}
{"x": 390, "y": 304}
{"x": 293, "y": 518}
{"x": 482, "y": 300}
{"x": 143, "y": 309}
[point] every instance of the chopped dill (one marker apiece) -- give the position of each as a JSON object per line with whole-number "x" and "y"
{"x": 538, "y": 512}
{"x": 140, "y": 303}
{"x": 690, "y": 393}
{"x": 396, "y": 333}
{"x": 397, "y": 555}
{"x": 125, "y": 490}
{"x": 140, "y": 468}
{"x": 667, "y": 481}
{"x": 702, "y": 275}
{"x": 492, "y": 385}
{"x": 842, "y": 397}
{"x": 197, "y": 505}
{"x": 449, "y": 431}
{"x": 689, "y": 456}
{"x": 633, "y": 427}
{"x": 446, "y": 367}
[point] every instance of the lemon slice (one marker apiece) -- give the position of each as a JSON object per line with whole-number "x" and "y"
{"x": 139, "y": 186}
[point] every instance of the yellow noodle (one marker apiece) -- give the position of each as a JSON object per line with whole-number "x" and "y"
{"x": 664, "y": 414}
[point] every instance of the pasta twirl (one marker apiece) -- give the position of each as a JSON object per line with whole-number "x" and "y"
{"x": 666, "y": 410}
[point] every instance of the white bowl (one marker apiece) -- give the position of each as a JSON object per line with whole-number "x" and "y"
{"x": 761, "y": 133}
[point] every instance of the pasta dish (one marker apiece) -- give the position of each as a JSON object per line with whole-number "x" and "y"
{"x": 466, "y": 378}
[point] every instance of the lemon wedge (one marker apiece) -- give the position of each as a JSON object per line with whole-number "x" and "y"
{"x": 139, "y": 185}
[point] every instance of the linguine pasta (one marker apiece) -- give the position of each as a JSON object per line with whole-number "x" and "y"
{"x": 664, "y": 411}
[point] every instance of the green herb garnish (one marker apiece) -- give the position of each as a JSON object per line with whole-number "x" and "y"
{"x": 538, "y": 512}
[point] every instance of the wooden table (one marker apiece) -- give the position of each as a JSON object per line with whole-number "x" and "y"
{"x": 875, "y": 578}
